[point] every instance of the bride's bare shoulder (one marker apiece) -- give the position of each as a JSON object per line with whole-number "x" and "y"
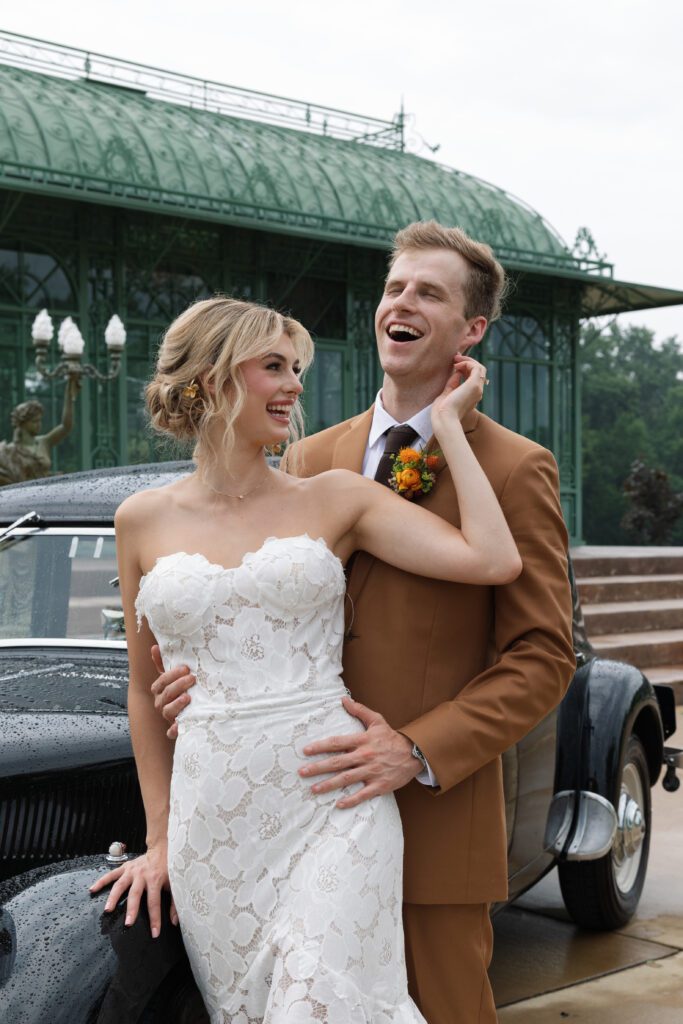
{"x": 139, "y": 507}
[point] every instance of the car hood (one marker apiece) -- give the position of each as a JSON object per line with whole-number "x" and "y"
{"x": 63, "y": 679}
{"x": 61, "y": 709}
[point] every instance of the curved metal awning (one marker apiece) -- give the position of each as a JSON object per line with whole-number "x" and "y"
{"x": 102, "y": 130}
{"x": 104, "y": 143}
{"x": 605, "y": 296}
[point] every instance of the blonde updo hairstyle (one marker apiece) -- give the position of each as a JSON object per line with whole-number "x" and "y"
{"x": 206, "y": 345}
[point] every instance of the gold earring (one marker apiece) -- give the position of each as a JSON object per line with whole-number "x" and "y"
{"x": 190, "y": 390}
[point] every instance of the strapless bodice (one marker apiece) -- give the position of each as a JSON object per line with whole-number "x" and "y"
{"x": 268, "y": 629}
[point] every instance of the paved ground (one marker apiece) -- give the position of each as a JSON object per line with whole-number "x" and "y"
{"x": 546, "y": 970}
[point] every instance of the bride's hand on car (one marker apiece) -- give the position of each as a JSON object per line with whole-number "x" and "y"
{"x": 462, "y": 392}
{"x": 147, "y": 873}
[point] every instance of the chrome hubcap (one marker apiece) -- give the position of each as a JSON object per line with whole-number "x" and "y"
{"x": 628, "y": 843}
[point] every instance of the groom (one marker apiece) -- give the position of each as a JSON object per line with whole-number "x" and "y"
{"x": 445, "y": 676}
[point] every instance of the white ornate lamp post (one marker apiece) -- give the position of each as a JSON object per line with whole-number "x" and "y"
{"x": 72, "y": 346}
{"x": 115, "y": 339}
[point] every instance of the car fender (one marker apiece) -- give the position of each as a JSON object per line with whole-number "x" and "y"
{"x": 63, "y": 959}
{"x": 607, "y": 701}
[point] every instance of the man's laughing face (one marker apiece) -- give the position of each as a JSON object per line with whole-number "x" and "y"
{"x": 420, "y": 322}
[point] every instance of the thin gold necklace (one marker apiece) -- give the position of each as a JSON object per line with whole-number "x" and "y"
{"x": 240, "y": 497}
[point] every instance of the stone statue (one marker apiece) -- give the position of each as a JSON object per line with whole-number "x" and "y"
{"x": 29, "y": 454}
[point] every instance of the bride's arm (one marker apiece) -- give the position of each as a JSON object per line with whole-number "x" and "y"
{"x": 403, "y": 534}
{"x": 153, "y": 753}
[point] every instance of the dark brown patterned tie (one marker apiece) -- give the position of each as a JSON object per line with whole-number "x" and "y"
{"x": 397, "y": 438}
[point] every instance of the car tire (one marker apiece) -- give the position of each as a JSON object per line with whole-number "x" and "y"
{"x": 603, "y": 894}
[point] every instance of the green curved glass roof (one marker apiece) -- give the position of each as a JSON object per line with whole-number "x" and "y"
{"x": 105, "y": 143}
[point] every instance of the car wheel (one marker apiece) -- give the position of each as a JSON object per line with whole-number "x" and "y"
{"x": 603, "y": 894}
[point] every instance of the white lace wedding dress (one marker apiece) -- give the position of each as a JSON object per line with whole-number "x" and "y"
{"x": 290, "y": 908}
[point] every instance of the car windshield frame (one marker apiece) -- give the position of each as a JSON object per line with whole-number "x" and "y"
{"x": 20, "y": 534}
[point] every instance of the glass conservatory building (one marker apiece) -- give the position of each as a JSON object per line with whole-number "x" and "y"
{"x": 130, "y": 190}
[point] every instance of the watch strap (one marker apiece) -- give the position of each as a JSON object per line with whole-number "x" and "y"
{"x": 416, "y": 752}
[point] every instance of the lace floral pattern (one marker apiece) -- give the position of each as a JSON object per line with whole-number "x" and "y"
{"x": 290, "y": 908}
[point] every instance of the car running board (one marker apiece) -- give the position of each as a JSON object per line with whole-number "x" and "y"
{"x": 589, "y": 826}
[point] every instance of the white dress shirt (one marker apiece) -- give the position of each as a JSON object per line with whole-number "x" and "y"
{"x": 382, "y": 421}
{"x": 421, "y": 422}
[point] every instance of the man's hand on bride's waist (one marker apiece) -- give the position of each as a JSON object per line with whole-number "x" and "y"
{"x": 380, "y": 758}
{"x": 170, "y": 691}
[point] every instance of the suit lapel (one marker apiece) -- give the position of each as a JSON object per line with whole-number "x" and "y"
{"x": 470, "y": 424}
{"x": 348, "y": 454}
{"x": 350, "y": 448}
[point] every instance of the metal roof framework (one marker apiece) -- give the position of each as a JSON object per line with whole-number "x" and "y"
{"x": 81, "y": 125}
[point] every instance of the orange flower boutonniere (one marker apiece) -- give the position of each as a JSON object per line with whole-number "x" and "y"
{"x": 412, "y": 473}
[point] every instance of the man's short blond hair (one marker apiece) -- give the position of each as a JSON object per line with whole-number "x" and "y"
{"x": 487, "y": 282}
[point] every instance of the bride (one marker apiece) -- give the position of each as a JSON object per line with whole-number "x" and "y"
{"x": 289, "y": 901}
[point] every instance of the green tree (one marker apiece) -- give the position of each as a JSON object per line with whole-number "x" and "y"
{"x": 632, "y": 408}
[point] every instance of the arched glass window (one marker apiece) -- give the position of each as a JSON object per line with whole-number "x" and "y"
{"x": 34, "y": 280}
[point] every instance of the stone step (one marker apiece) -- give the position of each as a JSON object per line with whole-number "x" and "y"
{"x": 669, "y": 675}
{"x": 625, "y": 561}
{"x": 627, "y": 616}
{"x": 642, "y": 649}
{"x": 603, "y": 589}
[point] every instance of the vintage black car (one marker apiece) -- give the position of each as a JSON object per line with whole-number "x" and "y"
{"x": 577, "y": 787}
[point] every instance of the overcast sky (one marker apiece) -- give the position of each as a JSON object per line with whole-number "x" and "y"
{"x": 575, "y": 107}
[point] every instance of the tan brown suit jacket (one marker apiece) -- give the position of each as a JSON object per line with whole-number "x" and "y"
{"x": 464, "y": 671}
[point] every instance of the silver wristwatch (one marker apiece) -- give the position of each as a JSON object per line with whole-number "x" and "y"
{"x": 416, "y": 752}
